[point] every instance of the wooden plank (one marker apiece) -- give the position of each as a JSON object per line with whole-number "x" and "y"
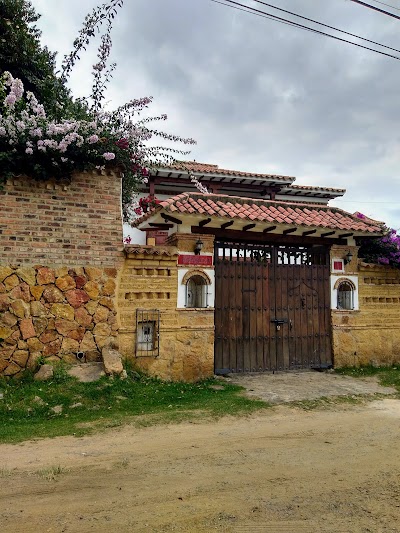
{"x": 253, "y": 317}
{"x": 259, "y": 319}
{"x": 285, "y": 316}
{"x": 239, "y": 316}
{"x": 291, "y": 317}
{"x": 246, "y": 315}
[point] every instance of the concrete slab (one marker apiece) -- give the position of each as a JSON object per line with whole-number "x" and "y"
{"x": 284, "y": 387}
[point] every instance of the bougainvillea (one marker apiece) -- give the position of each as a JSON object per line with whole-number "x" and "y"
{"x": 383, "y": 250}
{"x": 33, "y": 143}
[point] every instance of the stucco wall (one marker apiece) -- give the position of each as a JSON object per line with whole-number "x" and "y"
{"x": 149, "y": 281}
{"x": 370, "y": 335}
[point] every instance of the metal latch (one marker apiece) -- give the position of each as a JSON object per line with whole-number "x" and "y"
{"x": 279, "y": 322}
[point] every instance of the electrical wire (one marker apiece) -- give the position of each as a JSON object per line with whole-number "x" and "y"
{"x": 364, "y": 4}
{"x": 325, "y": 25}
{"x": 254, "y": 11}
{"x": 388, "y": 5}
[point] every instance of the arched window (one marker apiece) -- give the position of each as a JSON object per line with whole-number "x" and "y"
{"x": 345, "y": 295}
{"x": 196, "y": 284}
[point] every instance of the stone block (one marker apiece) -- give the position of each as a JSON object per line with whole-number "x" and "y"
{"x": 82, "y": 317}
{"x": 7, "y": 319}
{"x": 27, "y": 328}
{"x": 93, "y": 273}
{"x": 38, "y": 309}
{"x": 112, "y": 361}
{"x": 101, "y": 314}
{"x": 44, "y": 373}
{"x": 20, "y": 357}
{"x": 52, "y": 294}
{"x": 5, "y": 271}
{"x": 4, "y": 302}
{"x": 11, "y": 282}
{"x": 37, "y": 292}
{"x": 28, "y": 275}
{"x": 35, "y": 345}
{"x": 77, "y": 297}
{"x": 62, "y": 311}
{"x": 45, "y": 276}
{"x": 92, "y": 288}
{"x": 65, "y": 283}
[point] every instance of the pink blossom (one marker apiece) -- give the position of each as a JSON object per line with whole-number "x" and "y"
{"x": 108, "y": 156}
{"x": 10, "y": 100}
{"x": 29, "y": 151}
{"x": 93, "y": 139}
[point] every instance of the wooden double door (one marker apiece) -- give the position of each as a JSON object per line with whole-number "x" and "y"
{"x": 272, "y": 308}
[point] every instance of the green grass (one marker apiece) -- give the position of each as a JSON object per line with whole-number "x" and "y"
{"x": 388, "y": 376}
{"x": 26, "y": 407}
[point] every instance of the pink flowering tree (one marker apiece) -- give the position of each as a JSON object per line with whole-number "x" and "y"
{"x": 33, "y": 142}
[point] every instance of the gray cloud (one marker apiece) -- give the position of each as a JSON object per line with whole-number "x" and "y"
{"x": 261, "y": 96}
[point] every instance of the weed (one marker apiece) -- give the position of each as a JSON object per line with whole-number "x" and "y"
{"x": 5, "y": 472}
{"x": 389, "y": 376}
{"x": 52, "y": 473}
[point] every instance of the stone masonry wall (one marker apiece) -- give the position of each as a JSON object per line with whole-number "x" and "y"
{"x": 60, "y": 253}
{"x": 54, "y": 313}
{"x": 372, "y": 334}
{"x": 149, "y": 281}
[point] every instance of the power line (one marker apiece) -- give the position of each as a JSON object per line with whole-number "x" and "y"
{"x": 376, "y": 9}
{"x": 326, "y": 25}
{"x": 384, "y": 4}
{"x": 264, "y": 14}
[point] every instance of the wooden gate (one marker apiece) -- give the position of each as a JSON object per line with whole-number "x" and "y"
{"x": 272, "y": 308}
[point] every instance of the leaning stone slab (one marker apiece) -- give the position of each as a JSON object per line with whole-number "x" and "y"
{"x": 44, "y": 373}
{"x": 112, "y": 361}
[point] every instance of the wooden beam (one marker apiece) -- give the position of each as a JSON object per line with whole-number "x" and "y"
{"x": 344, "y": 235}
{"x": 267, "y": 230}
{"x": 255, "y": 236}
{"x": 249, "y": 226}
{"x": 328, "y": 233}
{"x": 305, "y": 233}
{"x": 287, "y": 231}
{"x": 227, "y": 224}
{"x": 171, "y": 219}
{"x": 204, "y": 222}
{"x": 160, "y": 225}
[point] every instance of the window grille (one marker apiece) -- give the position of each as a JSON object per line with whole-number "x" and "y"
{"x": 147, "y": 332}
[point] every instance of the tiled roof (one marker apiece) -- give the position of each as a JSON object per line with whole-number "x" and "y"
{"x": 264, "y": 211}
{"x": 205, "y": 168}
{"x": 150, "y": 250}
{"x": 315, "y": 188}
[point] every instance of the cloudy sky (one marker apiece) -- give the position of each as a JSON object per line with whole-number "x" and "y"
{"x": 258, "y": 95}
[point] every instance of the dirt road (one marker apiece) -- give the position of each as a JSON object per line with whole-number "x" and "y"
{"x": 286, "y": 470}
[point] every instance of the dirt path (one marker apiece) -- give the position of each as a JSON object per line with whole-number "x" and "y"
{"x": 284, "y": 471}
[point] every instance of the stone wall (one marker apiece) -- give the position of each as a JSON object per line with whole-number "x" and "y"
{"x": 149, "y": 281}
{"x": 370, "y": 335}
{"x": 54, "y": 313}
{"x": 60, "y": 253}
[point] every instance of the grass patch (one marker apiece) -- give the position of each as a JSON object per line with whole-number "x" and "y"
{"x": 52, "y": 473}
{"x": 333, "y": 401}
{"x": 27, "y": 406}
{"x": 389, "y": 376}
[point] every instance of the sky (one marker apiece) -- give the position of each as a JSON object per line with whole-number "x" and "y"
{"x": 257, "y": 95}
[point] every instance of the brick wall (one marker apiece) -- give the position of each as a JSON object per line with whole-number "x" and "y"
{"x": 61, "y": 223}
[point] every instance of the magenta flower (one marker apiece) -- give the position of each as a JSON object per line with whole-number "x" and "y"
{"x": 108, "y": 156}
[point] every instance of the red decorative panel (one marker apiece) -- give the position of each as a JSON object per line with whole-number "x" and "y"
{"x": 197, "y": 260}
{"x": 338, "y": 265}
